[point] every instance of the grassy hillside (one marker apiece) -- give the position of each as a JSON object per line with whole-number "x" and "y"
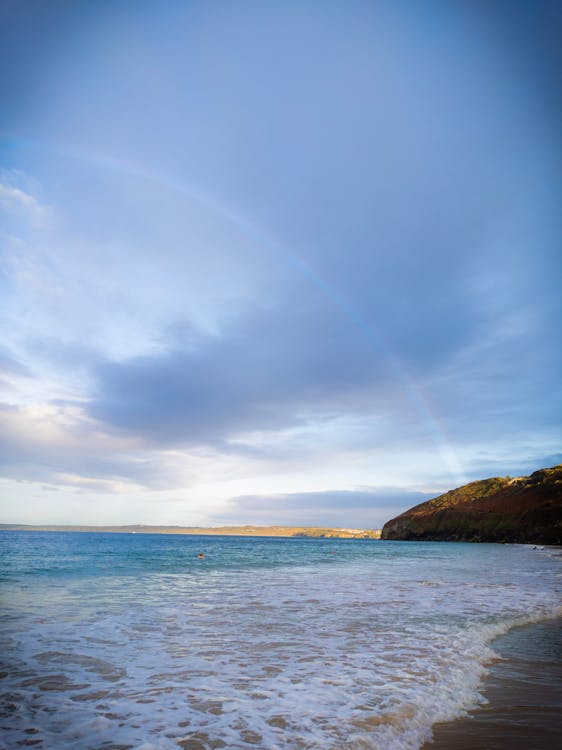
{"x": 500, "y": 509}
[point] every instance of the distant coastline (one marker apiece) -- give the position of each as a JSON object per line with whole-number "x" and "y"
{"x": 280, "y": 531}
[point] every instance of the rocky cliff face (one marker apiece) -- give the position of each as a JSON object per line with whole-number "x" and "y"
{"x": 525, "y": 509}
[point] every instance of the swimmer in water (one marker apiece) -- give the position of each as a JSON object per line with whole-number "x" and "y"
{"x": 200, "y": 555}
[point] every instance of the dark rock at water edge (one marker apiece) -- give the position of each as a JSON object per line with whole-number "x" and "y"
{"x": 500, "y": 509}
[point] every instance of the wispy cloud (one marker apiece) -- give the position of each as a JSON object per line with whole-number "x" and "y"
{"x": 58, "y": 445}
{"x": 11, "y": 366}
{"x": 15, "y": 200}
{"x": 15, "y": 196}
{"x": 368, "y": 507}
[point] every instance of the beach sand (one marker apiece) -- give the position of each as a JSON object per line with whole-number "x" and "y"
{"x": 524, "y": 693}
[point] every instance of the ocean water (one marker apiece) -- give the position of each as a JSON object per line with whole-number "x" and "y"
{"x": 132, "y": 641}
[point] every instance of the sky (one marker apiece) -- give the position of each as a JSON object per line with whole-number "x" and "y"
{"x": 275, "y": 262}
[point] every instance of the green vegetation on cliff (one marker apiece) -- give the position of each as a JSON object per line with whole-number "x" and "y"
{"x": 500, "y": 509}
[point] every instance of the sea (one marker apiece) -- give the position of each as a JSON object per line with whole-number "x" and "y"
{"x": 118, "y": 641}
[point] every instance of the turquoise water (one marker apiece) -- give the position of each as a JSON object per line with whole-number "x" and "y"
{"x": 132, "y": 641}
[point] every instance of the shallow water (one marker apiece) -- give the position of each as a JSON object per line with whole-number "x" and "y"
{"x": 131, "y": 641}
{"x": 524, "y": 696}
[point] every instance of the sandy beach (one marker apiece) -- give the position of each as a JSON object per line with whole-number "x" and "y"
{"x": 524, "y": 694}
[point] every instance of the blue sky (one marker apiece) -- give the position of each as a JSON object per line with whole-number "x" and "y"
{"x": 275, "y": 262}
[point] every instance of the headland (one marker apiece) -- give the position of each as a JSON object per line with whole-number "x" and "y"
{"x": 499, "y": 509}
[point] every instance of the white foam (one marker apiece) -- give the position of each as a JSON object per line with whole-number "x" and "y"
{"x": 365, "y": 654}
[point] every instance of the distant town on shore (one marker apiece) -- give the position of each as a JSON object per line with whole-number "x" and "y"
{"x": 281, "y": 531}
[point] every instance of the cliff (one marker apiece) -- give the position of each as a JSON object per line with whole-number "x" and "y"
{"x": 501, "y": 509}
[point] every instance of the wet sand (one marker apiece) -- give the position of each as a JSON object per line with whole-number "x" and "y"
{"x": 524, "y": 693}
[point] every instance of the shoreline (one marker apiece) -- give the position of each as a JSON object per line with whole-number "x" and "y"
{"x": 524, "y": 692}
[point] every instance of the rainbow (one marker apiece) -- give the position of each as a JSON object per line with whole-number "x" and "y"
{"x": 412, "y": 390}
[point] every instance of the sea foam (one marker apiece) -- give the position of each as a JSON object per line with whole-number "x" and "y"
{"x": 266, "y": 644}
